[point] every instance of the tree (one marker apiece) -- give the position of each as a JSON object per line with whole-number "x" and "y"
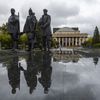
{"x": 3, "y": 28}
{"x": 88, "y": 43}
{"x": 23, "y": 39}
{"x": 5, "y": 37}
{"x": 39, "y": 35}
{"x": 96, "y": 38}
{"x": 54, "y": 43}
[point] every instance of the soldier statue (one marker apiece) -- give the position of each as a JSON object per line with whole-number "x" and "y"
{"x": 45, "y": 22}
{"x": 14, "y": 28}
{"x": 29, "y": 29}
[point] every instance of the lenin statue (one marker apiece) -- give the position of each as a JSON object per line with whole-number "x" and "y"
{"x": 29, "y": 29}
{"x": 14, "y": 28}
{"x": 45, "y": 22}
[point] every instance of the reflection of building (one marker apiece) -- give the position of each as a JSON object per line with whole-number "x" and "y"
{"x": 69, "y": 36}
{"x": 66, "y": 58}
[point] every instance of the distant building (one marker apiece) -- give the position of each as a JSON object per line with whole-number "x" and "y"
{"x": 69, "y": 37}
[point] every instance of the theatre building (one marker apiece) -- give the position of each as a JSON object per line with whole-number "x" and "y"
{"x": 69, "y": 37}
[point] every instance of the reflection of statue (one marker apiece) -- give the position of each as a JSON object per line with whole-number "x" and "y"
{"x": 13, "y": 27}
{"x": 46, "y": 72}
{"x": 95, "y": 59}
{"x": 45, "y": 22}
{"x": 14, "y": 74}
{"x": 31, "y": 73}
{"x": 29, "y": 28}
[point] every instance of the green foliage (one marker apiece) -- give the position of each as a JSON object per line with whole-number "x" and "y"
{"x": 90, "y": 40}
{"x": 5, "y": 37}
{"x": 97, "y": 45}
{"x": 95, "y": 41}
{"x": 54, "y": 43}
{"x": 39, "y": 35}
{"x": 3, "y": 28}
{"x": 23, "y": 38}
{"x": 96, "y": 37}
{"x": 88, "y": 43}
{"x": 5, "y": 40}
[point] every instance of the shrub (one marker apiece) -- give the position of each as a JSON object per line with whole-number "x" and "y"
{"x": 23, "y": 38}
{"x": 54, "y": 43}
{"x": 97, "y": 45}
{"x": 88, "y": 43}
{"x": 5, "y": 40}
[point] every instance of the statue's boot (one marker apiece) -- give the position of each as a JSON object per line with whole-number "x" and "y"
{"x": 15, "y": 46}
{"x": 29, "y": 46}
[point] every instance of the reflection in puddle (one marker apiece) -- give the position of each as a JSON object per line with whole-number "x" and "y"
{"x": 58, "y": 75}
{"x": 38, "y": 69}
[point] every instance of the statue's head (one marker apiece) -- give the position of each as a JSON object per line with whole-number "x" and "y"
{"x": 13, "y": 91}
{"x": 12, "y": 11}
{"x": 33, "y": 13}
{"x": 45, "y": 11}
{"x": 31, "y": 90}
{"x": 46, "y": 90}
{"x": 30, "y": 11}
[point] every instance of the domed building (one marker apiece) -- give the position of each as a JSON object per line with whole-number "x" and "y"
{"x": 69, "y": 37}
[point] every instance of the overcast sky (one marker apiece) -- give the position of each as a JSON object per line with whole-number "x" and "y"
{"x": 84, "y": 14}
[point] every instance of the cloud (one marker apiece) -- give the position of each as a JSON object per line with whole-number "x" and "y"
{"x": 63, "y": 10}
{"x": 36, "y": 6}
{"x": 56, "y": 22}
{"x": 4, "y": 9}
{"x": 60, "y": 11}
{"x": 84, "y": 14}
{"x": 89, "y": 1}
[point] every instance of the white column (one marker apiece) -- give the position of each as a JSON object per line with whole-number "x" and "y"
{"x": 76, "y": 41}
{"x": 69, "y": 41}
{"x": 79, "y": 41}
{"x": 84, "y": 39}
{"x": 73, "y": 41}
{"x": 66, "y": 41}
{"x": 62, "y": 42}
{"x": 59, "y": 41}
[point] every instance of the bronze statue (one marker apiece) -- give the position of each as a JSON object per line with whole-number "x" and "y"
{"x": 45, "y": 22}
{"x": 14, "y": 28}
{"x": 29, "y": 28}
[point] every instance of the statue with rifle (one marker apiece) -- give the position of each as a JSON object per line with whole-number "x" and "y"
{"x": 14, "y": 28}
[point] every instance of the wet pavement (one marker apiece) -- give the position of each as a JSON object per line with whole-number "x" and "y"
{"x": 49, "y": 76}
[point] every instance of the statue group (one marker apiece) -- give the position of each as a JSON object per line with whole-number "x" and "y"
{"x": 30, "y": 28}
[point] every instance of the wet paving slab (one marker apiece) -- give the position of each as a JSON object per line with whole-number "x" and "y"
{"x": 49, "y": 76}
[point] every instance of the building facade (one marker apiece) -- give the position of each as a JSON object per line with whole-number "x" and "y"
{"x": 69, "y": 37}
